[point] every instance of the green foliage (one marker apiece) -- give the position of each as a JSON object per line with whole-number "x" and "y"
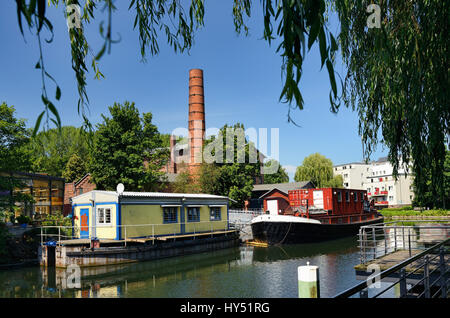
{"x": 426, "y": 197}
{"x": 280, "y": 176}
{"x": 318, "y": 169}
{"x": 127, "y": 149}
{"x": 398, "y": 83}
{"x": 185, "y": 183}
{"x": 235, "y": 175}
{"x": 52, "y": 149}
{"x": 408, "y": 211}
{"x": 4, "y": 236}
{"x": 23, "y": 219}
{"x": 56, "y": 219}
{"x": 13, "y": 157}
{"x": 75, "y": 169}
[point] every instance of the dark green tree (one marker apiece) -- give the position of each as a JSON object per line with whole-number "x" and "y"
{"x": 75, "y": 169}
{"x": 233, "y": 164}
{"x": 398, "y": 81}
{"x": 318, "y": 169}
{"x": 279, "y": 177}
{"x": 14, "y": 157}
{"x": 426, "y": 198}
{"x": 127, "y": 149}
{"x": 52, "y": 149}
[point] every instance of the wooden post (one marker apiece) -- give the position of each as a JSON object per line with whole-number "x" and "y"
{"x": 308, "y": 281}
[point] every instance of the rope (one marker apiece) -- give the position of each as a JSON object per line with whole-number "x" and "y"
{"x": 287, "y": 232}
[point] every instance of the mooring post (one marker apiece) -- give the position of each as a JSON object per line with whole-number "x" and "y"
{"x": 308, "y": 281}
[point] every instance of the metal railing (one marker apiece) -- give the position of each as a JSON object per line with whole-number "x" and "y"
{"x": 381, "y": 239}
{"x": 430, "y": 265}
{"x": 58, "y": 234}
{"x": 240, "y": 218}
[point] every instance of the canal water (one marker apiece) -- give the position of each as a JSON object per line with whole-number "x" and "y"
{"x": 245, "y": 271}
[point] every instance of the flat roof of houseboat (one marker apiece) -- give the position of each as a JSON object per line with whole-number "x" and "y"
{"x": 130, "y": 194}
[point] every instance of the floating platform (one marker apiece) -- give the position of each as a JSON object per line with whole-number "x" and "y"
{"x": 110, "y": 252}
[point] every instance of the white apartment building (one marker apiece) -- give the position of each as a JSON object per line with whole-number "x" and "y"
{"x": 354, "y": 174}
{"x": 376, "y": 177}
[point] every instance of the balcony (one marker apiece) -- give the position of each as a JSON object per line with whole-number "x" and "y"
{"x": 377, "y": 193}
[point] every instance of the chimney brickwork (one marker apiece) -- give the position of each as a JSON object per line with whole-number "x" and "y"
{"x": 196, "y": 122}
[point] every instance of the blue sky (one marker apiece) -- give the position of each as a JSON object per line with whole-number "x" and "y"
{"x": 242, "y": 81}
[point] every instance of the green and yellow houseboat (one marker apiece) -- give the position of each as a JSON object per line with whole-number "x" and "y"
{"x": 117, "y": 216}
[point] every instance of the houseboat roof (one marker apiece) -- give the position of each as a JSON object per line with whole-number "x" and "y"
{"x": 130, "y": 194}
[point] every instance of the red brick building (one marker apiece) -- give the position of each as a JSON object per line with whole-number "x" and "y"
{"x": 73, "y": 189}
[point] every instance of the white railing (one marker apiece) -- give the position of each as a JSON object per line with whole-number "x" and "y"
{"x": 381, "y": 239}
{"x": 144, "y": 231}
{"x": 240, "y": 218}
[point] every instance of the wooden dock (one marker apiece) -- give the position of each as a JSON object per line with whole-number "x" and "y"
{"x": 389, "y": 260}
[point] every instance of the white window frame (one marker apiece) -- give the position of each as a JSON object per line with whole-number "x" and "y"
{"x": 102, "y": 221}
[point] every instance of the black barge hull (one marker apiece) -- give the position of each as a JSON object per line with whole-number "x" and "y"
{"x": 295, "y": 233}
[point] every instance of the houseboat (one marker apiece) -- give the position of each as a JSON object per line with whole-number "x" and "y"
{"x": 121, "y": 227}
{"x": 315, "y": 215}
{"x": 116, "y": 216}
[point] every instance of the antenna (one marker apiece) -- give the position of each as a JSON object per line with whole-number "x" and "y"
{"x": 120, "y": 188}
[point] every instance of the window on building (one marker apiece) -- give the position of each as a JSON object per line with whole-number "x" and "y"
{"x": 170, "y": 215}
{"x": 355, "y": 197}
{"x": 215, "y": 214}
{"x": 339, "y": 196}
{"x": 104, "y": 216}
{"x": 391, "y": 198}
{"x": 193, "y": 214}
{"x": 347, "y": 196}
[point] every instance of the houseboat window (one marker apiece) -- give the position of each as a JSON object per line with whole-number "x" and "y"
{"x": 347, "y": 196}
{"x": 215, "y": 214}
{"x": 355, "y": 197}
{"x": 339, "y": 196}
{"x": 193, "y": 214}
{"x": 103, "y": 215}
{"x": 170, "y": 214}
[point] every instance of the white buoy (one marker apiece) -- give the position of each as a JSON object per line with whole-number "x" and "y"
{"x": 308, "y": 281}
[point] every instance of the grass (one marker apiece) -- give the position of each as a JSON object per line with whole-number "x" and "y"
{"x": 408, "y": 211}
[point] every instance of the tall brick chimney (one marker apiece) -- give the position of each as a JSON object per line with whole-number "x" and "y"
{"x": 196, "y": 124}
{"x": 173, "y": 157}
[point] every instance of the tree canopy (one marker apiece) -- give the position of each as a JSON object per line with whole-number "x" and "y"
{"x": 318, "y": 169}
{"x": 280, "y": 176}
{"x": 52, "y": 149}
{"x": 14, "y": 156}
{"x": 127, "y": 149}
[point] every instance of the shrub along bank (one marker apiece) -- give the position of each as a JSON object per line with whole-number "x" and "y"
{"x": 409, "y": 211}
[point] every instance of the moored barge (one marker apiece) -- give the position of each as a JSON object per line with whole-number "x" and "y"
{"x": 316, "y": 215}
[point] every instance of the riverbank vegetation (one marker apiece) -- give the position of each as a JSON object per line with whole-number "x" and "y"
{"x": 409, "y": 211}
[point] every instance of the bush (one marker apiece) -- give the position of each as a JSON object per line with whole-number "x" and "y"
{"x": 410, "y": 212}
{"x": 23, "y": 219}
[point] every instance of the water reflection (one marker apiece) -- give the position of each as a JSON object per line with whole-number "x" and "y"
{"x": 236, "y": 272}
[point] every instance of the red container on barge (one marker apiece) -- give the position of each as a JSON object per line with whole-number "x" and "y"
{"x": 316, "y": 215}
